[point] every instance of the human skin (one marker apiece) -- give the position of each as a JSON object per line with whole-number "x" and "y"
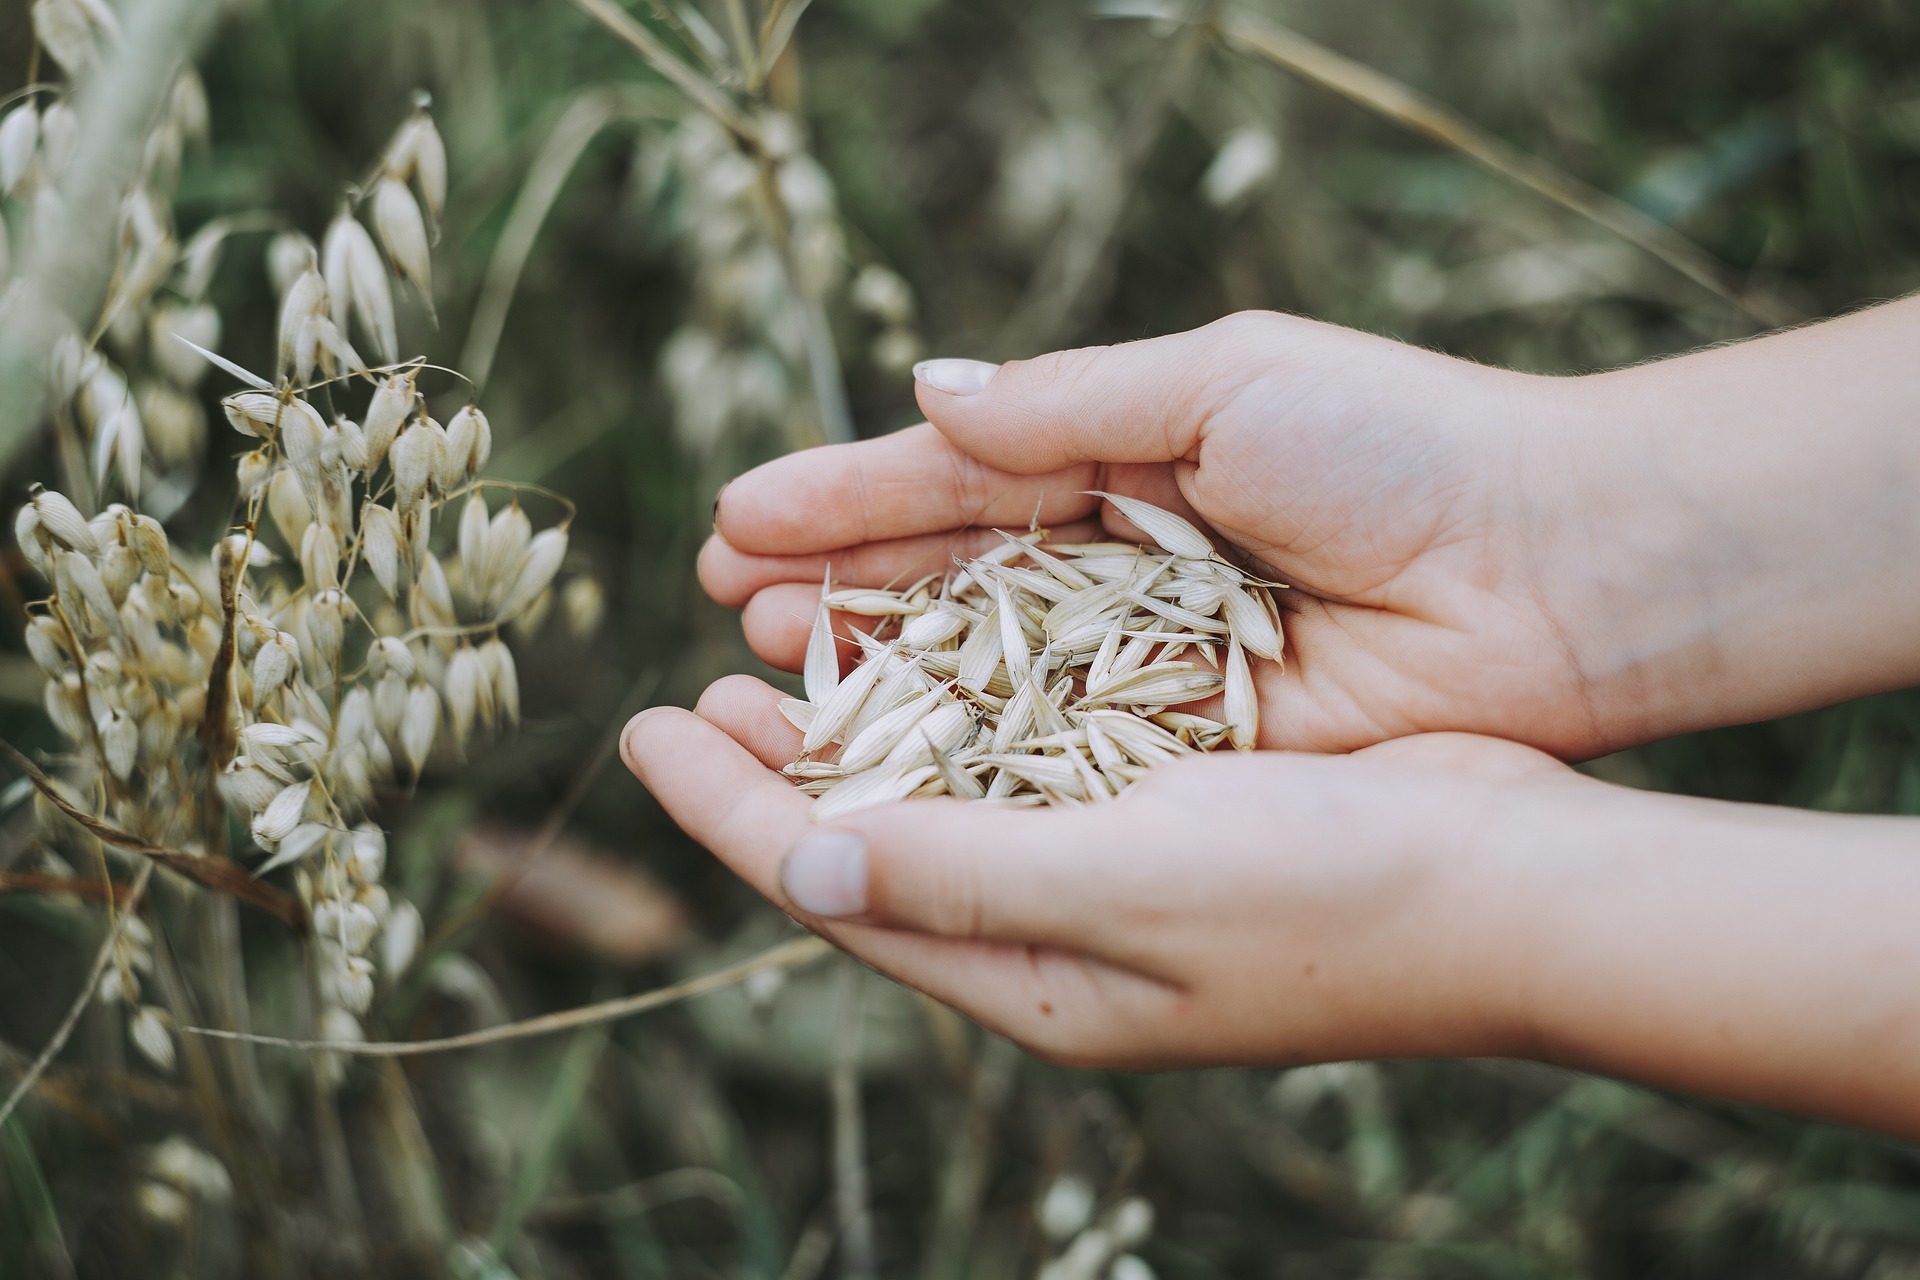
{"x": 1574, "y": 564}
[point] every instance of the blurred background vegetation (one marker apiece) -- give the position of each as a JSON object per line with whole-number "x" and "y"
{"x": 985, "y": 178}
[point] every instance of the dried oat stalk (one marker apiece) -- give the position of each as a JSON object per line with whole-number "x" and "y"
{"x": 1037, "y": 674}
{"x": 331, "y": 645}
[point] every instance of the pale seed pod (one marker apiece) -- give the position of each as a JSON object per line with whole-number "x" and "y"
{"x": 119, "y": 570}
{"x": 400, "y": 938}
{"x": 245, "y": 787}
{"x": 430, "y": 585}
{"x": 1164, "y": 528}
{"x": 320, "y": 557}
{"x": 353, "y": 776}
{"x": 397, "y": 218}
{"x": 266, "y": 741}
{"x": 463, "y": 694}
{"x": 507, "y": 540}
{"x": 296, "y": 344}
{"x": 299, "y": 842}
{"x": 390, "y": 653}
{"x": 353, "y": 444}
{"x": 471, "y": 439}
{"x": 1242, "y": 700}
{"x": 59, "y": 135}
{"x": 160, "y": 730}
{"x": 355, "y": 722}
{"x": 418, "y": 153}
{"x": 62, "y": 28}
{"x": 282, "y": 814}
{"x": 77, "y": 580}
{"x": 584, "y": 605}
{"x": 419, "y": 725}
{"x": 447, "y": 471}
{"x": 386, "y": 413}
{"x": 149, "y": 543}
{"x": 380, "y": 545}
{"x": 254, "y": 470}
{"x": 357, "y": 281}
{"x": 252, "y": 413}
{"x": 148, "y": 1031}
{"x": 19, "y": 139}
{"x": 273, "y": 666}
{"x": 326, "y": 628}
{"x": 289, "y": 255}
{"x": 47, "y": 644}
{"x": 535, "y": 571}
{"x": 63, "y": 522}
{"x": 503, "y": 677}
{"x": 176, "y": 425}
{"x": 416, "y": 531}
{"x": 390, "y": 704}
{"x": 303, "y": 438}
{"x": 1250, "y": 622}
{"x": 359, "y": 925}
{"x": 120, "y": 740}
{"x": 188, "y": 106}
{"x": 473, "y": 546}
{"x": 354, "y": 984}
{"x": 367, "y": 855}
{"x": 32, "y": 539}
{"x": 415, "y": 454}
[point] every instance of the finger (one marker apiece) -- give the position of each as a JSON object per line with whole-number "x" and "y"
{"x": 749, "y": 711}
{"x": 731, "y": 576}
{"x": 1065, "y": 1008}
{"x": 716, "y": 791}
{"x": 1137, "y": 402}
{"x": 901, "y": 485}
{"x": 778, "y": 621}
{"x": 960, "y": 870}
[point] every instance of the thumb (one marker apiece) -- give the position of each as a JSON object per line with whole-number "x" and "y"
{"x": 1144, "y": 401}
{"x": 947, "y": 868}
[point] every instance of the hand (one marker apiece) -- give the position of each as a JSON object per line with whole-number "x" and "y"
{"x": 1231, "y": 908}
{"x": 1579, "y": 564}
{"x": 1389, "y": 485}
{"x": 1435, "y": 896}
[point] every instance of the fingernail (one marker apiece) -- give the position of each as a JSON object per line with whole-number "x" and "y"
{"x": 721, "y": 493}
{"x": 626, "y": 734}
{"x": 826, "y": 874}
{"x": 955, "y": 377}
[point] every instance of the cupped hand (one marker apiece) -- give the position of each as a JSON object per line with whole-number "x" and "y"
{"x": 1404, "y": 495}
{"x": 1232, "y": 908}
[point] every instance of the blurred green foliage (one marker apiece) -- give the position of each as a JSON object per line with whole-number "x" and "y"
{"x": 1036, "y": 173}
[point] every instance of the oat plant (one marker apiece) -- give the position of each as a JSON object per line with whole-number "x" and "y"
{"x": 239, "y": 715}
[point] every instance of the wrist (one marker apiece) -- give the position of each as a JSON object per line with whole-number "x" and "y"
{"x": 1727, "y": 537}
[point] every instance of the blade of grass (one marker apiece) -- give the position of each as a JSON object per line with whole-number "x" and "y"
{"x": 850, "y": 1195}
{"x": 36, "y": 1199}
{"x": 61, "y": 287}
{"x": 690, "y": 82}
{"x": 1382, "y": 94}
{"x": 557, "y": 1116}
{"x": 582, "y": 121}
{"x": 787, "y": 955}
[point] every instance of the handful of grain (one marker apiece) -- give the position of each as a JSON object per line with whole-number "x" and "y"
{"x": 1038, "y": 674}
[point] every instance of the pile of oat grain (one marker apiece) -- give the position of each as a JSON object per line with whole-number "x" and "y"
{"x": 1038, "y": 674}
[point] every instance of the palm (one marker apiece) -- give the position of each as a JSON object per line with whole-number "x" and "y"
{"x": 1380, "y": 501}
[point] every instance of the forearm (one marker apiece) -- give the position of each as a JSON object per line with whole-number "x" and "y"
{"x": 1735, "y": 532}
{"x": 1752, "y": 953}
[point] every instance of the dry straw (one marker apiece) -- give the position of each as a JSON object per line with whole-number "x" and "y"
{"x": 331, "y": 645}
{"x": 1037, "y": 674}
